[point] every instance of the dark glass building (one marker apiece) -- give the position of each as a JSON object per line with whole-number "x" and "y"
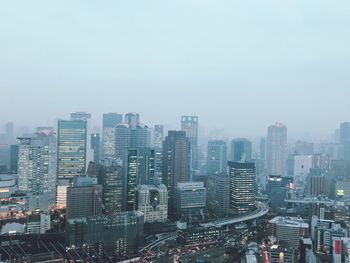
{"x": 241, "y": 150}
{"x": 217, "y": 157}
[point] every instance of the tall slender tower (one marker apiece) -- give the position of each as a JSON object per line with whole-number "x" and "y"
{"x": 176, "y": 162}
{"x": 276, "y": 150}
{"x": 241, "y": 150}
{"x": 189, "y": 124}
{"x": 217, "y": 157}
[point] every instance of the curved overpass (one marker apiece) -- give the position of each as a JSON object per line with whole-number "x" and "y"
{"x": 262, "y": 209}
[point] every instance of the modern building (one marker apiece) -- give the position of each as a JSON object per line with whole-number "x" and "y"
{"x": 197, "y": 235}
{"x": 37, "y": 165}
{"x": 276, "y": 189}
{"x": 302, "y": 166}
{"x": 241, "y": 150}
{"x": 131, "y": 134}
{"x": 110, "y": 121}
{"x": 158, "y": 151}
{"x": 175, "y": 162}
{"x": 152, "y": 201}
{"x": 71, "y": 151}
{"x": 84, "y": 198}
{"x": 218, "y": 194}
{"x": 61, "y": 194}
{"x": 119, "y": 233}
{"x": 38, "y": 223}
{"x": 14, "y": 158}
{"x": 262, "y": 148}
{"x": 217, "y": 157}
{"x": 190, "y": 200}
{"x": 276, "y": 150}
{"x": 304, "y": 148}
{"x": 111, "y": 178}
{"x": 139, "y": 169}
{"x": 289, "y": 230}
{"x": 96, "y": 147}
{"x": 189, "y": 124}
{"x": 242, "y": 186}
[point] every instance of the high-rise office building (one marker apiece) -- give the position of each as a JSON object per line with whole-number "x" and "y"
{"x": 344, "y": 139}
{"x": 217, "y": 157}
{"x": 175, "y": 162}
{"x": 71, "y": 151}
{"x": 218, "y": 194}
{"x": 110, "y": 121}
{"x": 131, "y": 134}
{"x": 84, "y": 198}
{"x": 139, "y": 169}
{"x": 241, "y": 150}
{"x": 84, "y": 116}
{"x": 37, "y": 162}
{"x": 158, "y": 136}
{"x": 189, "y": 124}
{"x": 96, "y": 147}
{"x": 14, "y": 158}
{"x": 152, "y": 201}
{"x": 158, "y": 150}
{"x": 111, "y": 178}
{"x": 262, "y": 148}
{"x": 276, "y": 150}
{"x": 242, "y": 186}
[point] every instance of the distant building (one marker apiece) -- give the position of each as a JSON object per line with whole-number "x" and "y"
{"x": 175, "y": 162}
{"x": 218, "y": 194}
{"x": 72, "y": 136}
{"x": 96, "y": 147}
{"x": 304, "y": 148}
{"x": 120, "y": 233}
{"x": 84, "y": 199}
{"x": 242, "y": 186}
{"x": 190, "y": 200}
{"x": 302, "y": 166}
{"x": 152, "y": 201}
{"x": 241, "y": 150}
{"x": 110, "y": 121}
{"x": 216, "y": 157}
{"x": 189, "y": 124}
{"x": 14, "y": 158}
{"x": 158, "y": 151}
{"x": 276, "y": 189}
{"x": 276, "y": 150}
{"x": 38, "y": 223}
{"x": 289, "y": 230}
{"x": 61, "y": 194}
{"x": 279, "y": 254}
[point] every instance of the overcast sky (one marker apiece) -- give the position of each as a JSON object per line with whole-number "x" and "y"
{"x": 238, "y": 65}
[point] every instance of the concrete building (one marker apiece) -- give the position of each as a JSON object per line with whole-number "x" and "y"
{"x": 278, "y": 254}
{"x": 289, "y": 230}
{"x": 38, "y": 223}
{"x": 190, "y": 200}
{"x": 152, "y": 201}
{"x": 276, "y": 150}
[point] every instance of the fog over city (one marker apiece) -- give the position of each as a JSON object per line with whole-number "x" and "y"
{"x": 238, "y": 65}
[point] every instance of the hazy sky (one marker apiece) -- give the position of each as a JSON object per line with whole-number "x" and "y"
{"x": 238, "y": 65}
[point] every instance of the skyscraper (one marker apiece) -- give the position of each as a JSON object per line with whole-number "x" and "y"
{"x": 176, "y": 162}
{"x": 110, "y": 121}
{"x": 158, "y": 149}
{"x": 276, "y": 150}
{"x": 71, "y": 148}
{"x": 85, "y": 117}
{"x": 131, "y": 134}
{"x": 189, "y": 124}
{"x": 139, "y": 171}
{"x": 242, "y": 186}
{"x": 37, "y": 162}
{"x": 96, "y": 147}
{"x": 111, "y": 178}
{"x": 241, "y": 150}
{"x": 217, "y": 157}
{"x": 345, "y": 139}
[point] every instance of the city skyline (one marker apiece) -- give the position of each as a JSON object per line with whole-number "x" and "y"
{"x": 288, "y": 62}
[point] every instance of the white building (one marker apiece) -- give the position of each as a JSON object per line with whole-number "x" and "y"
{"x": 276, "y": 149}
{"x": 152, "y": 201}
{"x": 302, "y": 166}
